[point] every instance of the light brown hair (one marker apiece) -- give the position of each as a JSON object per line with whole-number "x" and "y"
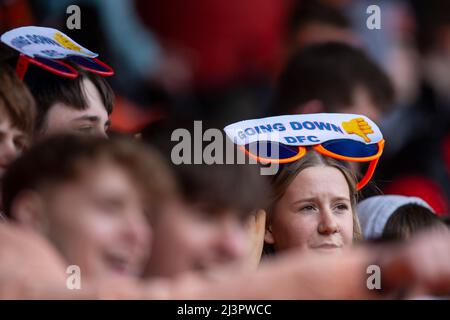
{"x": 16, "y": 101}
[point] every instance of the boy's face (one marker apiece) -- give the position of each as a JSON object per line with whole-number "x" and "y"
{"x": 196, "y": 238}
{"x": 97, "y": 222}
{"x": 12, "y": 143}
{"x": 94, "y": 120}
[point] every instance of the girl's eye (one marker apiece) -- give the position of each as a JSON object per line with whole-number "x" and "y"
{"x": 342, "y": 207}
{"x": 307, "y": 208}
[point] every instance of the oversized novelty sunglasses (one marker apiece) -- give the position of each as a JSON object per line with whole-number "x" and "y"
{"x": 340, "y": 149}
{"x": 61, "y": 68}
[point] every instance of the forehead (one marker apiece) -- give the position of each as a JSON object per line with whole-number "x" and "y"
{"x": 99, "y": 174}
{"x": 319, "y": 181}
{"x": 93, "y": 97}
{"x": 214, "y": 210}
{"x": 104, "y": 170}
{"x": 94, "y": 105}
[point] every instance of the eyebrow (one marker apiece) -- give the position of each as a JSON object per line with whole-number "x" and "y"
{"x": 91, "y": 119}
{"x": 312, "y": 199}
{"x": 88, "y": 118}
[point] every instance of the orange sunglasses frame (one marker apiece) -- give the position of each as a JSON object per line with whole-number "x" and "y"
{"x": 319, "y": 148}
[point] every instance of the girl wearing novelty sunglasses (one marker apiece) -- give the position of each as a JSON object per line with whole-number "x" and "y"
{"x": 314, "y": 194}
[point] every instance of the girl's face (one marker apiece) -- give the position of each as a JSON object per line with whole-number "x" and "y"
{"x": 315, "y": 213}
{"x": 12, "y": 143}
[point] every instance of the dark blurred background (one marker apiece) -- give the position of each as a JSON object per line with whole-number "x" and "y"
{"x": 219, "y": 60}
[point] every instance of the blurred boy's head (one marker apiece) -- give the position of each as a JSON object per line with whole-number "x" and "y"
{"x": 17, "y": 116}
{"x": 313, "y": 22}
{"x": 333, "y": 77}
{"x": 409, "y": 220}
{"x": 90, "y": 197}
{"x": 207, "y": 228}
{"x": 81, "y": 105}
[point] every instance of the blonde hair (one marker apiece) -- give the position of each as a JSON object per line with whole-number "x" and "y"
{"x": 281, "y": 181}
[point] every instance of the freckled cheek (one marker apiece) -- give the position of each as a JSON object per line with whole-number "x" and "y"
{"x": 294, "y": 231}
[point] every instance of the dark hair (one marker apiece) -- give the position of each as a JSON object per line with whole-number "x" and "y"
{"x": 218, "y": 186}
{"x": 49, "y": 89}
{"x": 431, "y": 16}
{"x": 446, "y": 220}
{"x": 16, "y": 102}
{"x": 307, "y": 12}
{"x": 408, "y": 220}
{"x": 330, "y": 72}
{"x": 62, "y": 158}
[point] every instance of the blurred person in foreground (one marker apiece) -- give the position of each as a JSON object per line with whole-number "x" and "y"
{"x": 394, "y": 218}
{"x": 208, "y": 229}
{"x": 121, "y": 222}
{"x": 30, "y": 268}
{"x": 91, "y": 198}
